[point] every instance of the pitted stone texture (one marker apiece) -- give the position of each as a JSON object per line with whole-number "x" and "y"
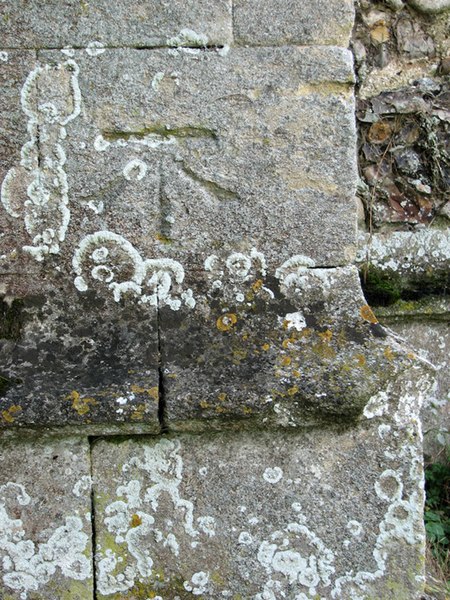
{"x": 294, "y": 347}
{"x": 79, "y": 362}
{"x": 122, "y": 23}
{"x": 45, "y": 520}
{"x": 324, "y": 514}
{"x": 278, "y": 22}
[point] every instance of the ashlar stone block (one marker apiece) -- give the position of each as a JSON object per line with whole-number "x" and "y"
{"x": 280, "y": 22}
{"x": 45, "y": 520}
{"x": 54, "y": 24}
{"x": 323, "y": 514}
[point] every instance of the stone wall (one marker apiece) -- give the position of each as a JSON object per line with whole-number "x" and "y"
{"x": 402, "y": 54}
{"x": 196, "y": 398}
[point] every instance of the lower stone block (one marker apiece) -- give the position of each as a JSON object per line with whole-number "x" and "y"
{"x": 318, "y": 514}
{"x": 45, "y": 520}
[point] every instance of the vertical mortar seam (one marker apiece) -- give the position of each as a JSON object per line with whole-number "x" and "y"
{"x": 93, "y": 526}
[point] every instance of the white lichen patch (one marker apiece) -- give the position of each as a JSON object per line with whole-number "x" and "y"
{"x": 29, "y": 566}
{"x": 273, "y": 475}
{"x": 189, "y": 38}
{"x": 136, "y": 169}
{"x": 111, "y": 260}
{"x": 95, "y": 48}
{"x": 198, "y": 583}
{"x": 37, "y": 189}
{"x": 4, "y": 56}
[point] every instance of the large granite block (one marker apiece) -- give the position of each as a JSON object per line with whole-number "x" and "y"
{"x": 305, "y": 22}
{"x": 322, "y": 514}
{"x": 45, "y": 520}
{"x": 53, "y": 24}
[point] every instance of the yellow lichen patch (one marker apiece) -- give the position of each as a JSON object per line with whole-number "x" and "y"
{"x": 247, "y": 410}
{"x": 286, "y": 343}
{"x": 153, "y": 392}
{"x": 326, "y": 335}
{"x": 286, "y": 361}
{"x": 306, "y": 332}
{"x": 220, "y": 409}
{"x": 292, "y": 391}
{"x": 81, "y": 405}
{"x": 296, "y": 373}
{"x": 265, "y": 347}
{"x": 257, "y": 285}
{"x": 245, "y": 336}
{"x": 139, "y": 412}
{"x": 367, "y": 314}
{"x": 388, "y": 353}
{"x": 226, "y": 322}
{"x": 360, "y": 359}
{"x": 135, "y": 520}
{"x": 411, "y": 356}
{"x": 239, "y": 353}
{"x": 324, "y": 350}
{"x": 203, "y": 404}
{"x": 8, "y": 414}
{"x": 222, "y": 397}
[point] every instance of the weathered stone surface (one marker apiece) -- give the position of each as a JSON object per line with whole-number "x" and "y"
{"x": 325, "y": 514}
{"x": 425, "y": 326}
{"x": 45, "y": 520}
{"x": 294, "y": 347}
{"x": 122, "y": 23}
{"x": 404, "y": 264}
{"x": 430, "y": 6}
{"x": 137, "y": 167}
{"x": 268, "y": 22}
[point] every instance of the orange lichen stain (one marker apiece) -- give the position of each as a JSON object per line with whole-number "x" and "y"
{"x": 8, "y": 414}
{"x": 296, "y": 373}
{"x": 360, "y": 359}
{"x": 326, "y": 335}
{"x": 203, "y": 404}
{"x": 222, "y": 397}
{"x": 152, "y": 392}
{"x": 292, "y": 391}
{"x": 139, "y": 412}
{"x": 286, "y": 361}
{"x": 265, "y": 347}
{"x": 367, "y": 314}
{"x": 288, "y": 341}
{"x": 226, "y": 322}
{"x": 257, "y": 285}
{"x": 135, "y": 521}
{"x": 81, "y": 405}
{"x": 388, "y": 353}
